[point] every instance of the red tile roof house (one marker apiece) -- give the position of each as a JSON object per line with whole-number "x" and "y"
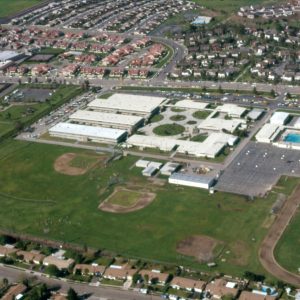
{"x": 154, "y": 276}
{"x": 187, "y": 284}
{"x": 92, "y": 72}
{"x": 40, "y": 69}
{"x": 117, "y": 73}
{"x": 69, "y": 70}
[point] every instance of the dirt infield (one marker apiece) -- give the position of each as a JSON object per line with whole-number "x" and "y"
{"x": 142, "y": 201}
{"x": 266, "y": 251}
{"x": 199, "y": 246}
{"x": 63, "y": 165}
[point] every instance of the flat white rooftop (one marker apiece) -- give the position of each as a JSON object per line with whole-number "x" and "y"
{"x": 8, "y": 55}
{"x": 210, "y": 147}
{"x": 127, "y": 102}
{"x": 109, "y": 118}
{"x": 279, "y": 118}
{"x": 216, "y": 124}
{"x": 190, "y": 104}
{"x": 231, "y": 109}
{"x": 88, "y": 131}
{"x": 268, "y": 133}
{"x": 255, "y": 113}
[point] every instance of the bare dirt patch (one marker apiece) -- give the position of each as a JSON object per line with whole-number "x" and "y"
{"x": 144, "y": 199}
{"x": 199, "y": 246}
{"x": 63, "y": 165}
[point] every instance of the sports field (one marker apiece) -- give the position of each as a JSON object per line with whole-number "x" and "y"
{"x": 37, "y": 200}
{"x": 287, "y": 251}
{"x": 8, "y": 8}
{"x": 232, "y": 5}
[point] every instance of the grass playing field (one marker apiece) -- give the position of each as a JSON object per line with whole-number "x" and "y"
{"x": 124, "y": 198}
{"x": 232, "y": 5}
{"x": 8, "y": 8}
{"x": 287, "y": 251}
{"x": 37, "y": 200}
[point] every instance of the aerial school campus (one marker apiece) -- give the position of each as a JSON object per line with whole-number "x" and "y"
{"x": 165, "y": 174}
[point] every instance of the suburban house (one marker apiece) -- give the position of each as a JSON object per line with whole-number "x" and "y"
{"x": 187, "y": 284}
{"x": 220, "y": 288}
{"x": 61, "y": 264}
{"x": 154, "y": 276}
{"x": 86, "y": 269}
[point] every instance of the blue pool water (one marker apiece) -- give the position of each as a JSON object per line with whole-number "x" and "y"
{"x": 292, "y": 138}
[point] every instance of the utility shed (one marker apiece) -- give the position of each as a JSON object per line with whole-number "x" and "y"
{"x": 279, "y": 118}
{"x": 203, "y": 182}
{"x": 169, "y": 168}
{"x": 141, "y": 163}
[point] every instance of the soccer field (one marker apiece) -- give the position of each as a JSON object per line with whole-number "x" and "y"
{"x": 37, "y": 200}
{"x": 10, "y": 7}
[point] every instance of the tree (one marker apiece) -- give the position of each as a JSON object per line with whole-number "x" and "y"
{"x": 72, "y": 295}
{"x": 53, "y": 271}
{"x": 5, "y": 282}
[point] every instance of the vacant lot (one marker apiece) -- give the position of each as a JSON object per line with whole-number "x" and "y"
{"x": 37, "y": 200}
{"x": 8, "y": 8}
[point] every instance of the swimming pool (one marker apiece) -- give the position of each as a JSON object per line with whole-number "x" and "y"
{"x": 292, "y": 138}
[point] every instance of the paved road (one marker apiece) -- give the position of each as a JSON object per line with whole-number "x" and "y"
{"x": 101, "y": 292}
{"x": 266, "y": 251}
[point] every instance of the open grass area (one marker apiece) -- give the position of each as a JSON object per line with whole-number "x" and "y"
{"x": 287, "y": 250}
{"x": 37, "y": 200}
{"x": 156, "y": 118}
{"x": 231, "y": 5}
{"x": 168, "y": 129}
{"x": 124, "y": 198}
{"x": 201, "y": 114}
{"x": 178, "y": 118}
{"x": 8, "y": 8}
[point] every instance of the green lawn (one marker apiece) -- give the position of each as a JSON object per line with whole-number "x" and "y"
{"x": 8, "y": 8}
{"x": 231, "y": 5}
{"x": 201, "y": 114}
{"x": 124, "y": 198}
{"x": 156, "y": 118}
{"x": 178, "y": 118}
{"x": 37, "y": 200}
{"x": 287, "y": 251}
{"x": 168, "y": 129}
{"x": 83, "y": 161}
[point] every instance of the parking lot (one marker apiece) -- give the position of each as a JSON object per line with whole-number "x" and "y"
{"x": 257, "y": 168}
{"x": 29, "y": 95}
